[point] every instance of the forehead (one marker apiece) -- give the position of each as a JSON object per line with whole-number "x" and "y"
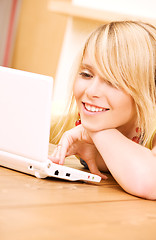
{"x": 99, "y": 62}
{"x": 87, "y": 60}
{"x": 94, "y": 62}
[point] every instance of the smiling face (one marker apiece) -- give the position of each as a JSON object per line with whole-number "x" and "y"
{"x": 101, "y": 105}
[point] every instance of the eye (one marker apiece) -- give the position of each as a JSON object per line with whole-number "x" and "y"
{"x": 86, "y": 74}
{"x": 110, "y": 84}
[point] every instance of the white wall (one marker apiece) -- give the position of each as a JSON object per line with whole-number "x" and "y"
{"x": 146, "y": 8}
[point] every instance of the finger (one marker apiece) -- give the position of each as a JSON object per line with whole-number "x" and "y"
{"x": 53, "y": 159}
{"x": 55, "y": 156}
{"x": 94, "y": 169}
{"x": 55, "y": 152}
{"x": 103, "y": 176}
{"x": 62, "y": 151}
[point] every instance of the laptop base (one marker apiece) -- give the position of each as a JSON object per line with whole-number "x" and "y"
{"x": 44, "y": 169}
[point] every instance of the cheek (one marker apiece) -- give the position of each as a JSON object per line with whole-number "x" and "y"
{"x": 128, "y": 107}
{"x": 124, "y": 104}
{"x": 74, "y": 88}
{"x": 77, "y": 90}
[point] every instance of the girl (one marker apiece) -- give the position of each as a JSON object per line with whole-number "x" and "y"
{"x": 114, "y": 89}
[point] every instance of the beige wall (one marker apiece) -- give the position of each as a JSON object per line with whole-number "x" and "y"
{"x": 39, "y": 38}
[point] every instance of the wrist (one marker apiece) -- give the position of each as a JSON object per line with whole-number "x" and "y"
{"x": 104, "y": 133}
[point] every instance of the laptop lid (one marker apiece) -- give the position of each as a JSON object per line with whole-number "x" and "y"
{"x": 25, "y": 107}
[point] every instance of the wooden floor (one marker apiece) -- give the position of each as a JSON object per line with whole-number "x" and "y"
{"x": 52, "y": 209}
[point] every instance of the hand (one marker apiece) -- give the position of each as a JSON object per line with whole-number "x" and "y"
{"x": 77, "y": 142}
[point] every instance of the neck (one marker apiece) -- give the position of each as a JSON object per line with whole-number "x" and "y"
{"x": 129, "y": 130}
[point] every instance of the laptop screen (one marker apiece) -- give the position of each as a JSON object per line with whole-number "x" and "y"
{"x": 25, "y": 107}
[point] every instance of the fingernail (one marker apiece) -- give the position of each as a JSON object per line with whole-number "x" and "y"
{"x": 105, "y": 178}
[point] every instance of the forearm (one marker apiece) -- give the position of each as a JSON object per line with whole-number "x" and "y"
{"x": 132, "y": 165}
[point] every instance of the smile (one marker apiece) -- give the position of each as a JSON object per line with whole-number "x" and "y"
{"x": 92, "y": 108}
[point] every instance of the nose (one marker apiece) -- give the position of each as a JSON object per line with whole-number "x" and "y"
{"x": 93, "y": 89}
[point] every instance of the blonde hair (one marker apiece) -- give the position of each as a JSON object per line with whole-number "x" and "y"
{"x": 125, "y": 54}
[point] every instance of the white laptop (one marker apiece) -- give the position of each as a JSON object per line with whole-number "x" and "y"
{"x": 25, "y": 116}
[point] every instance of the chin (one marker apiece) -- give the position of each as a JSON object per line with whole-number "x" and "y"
{"x": 92, "y": 127}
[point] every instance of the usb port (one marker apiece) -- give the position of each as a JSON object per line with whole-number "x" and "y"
{"x": 56, "y": 172}
{"x": 68, "y": 174}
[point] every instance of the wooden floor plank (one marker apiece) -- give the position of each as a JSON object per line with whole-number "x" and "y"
{"x": 128, "y": 220}
{"x": 53, "y": 209}
{"x": 22, "y": 190}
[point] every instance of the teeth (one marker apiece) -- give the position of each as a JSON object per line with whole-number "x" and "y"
{"x": 94, "y": 109}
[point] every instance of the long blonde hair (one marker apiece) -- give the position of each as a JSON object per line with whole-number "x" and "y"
{"x": 125, "y": 54}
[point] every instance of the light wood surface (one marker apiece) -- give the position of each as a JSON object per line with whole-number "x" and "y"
{"x": 53, "y": 209}
{"x": 39, "y": 38}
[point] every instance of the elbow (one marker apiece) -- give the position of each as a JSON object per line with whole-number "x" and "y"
{"x": 145, "y": 194}
{"x": 145, "y": 189}
{"x": 143, "y": 184}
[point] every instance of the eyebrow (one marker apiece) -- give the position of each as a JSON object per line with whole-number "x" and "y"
{"x": 85, "y": 65}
